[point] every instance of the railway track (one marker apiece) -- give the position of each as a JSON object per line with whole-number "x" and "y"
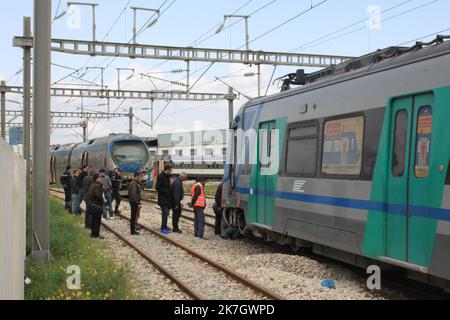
{"x": 169, "y": 275}
{"x": 149, "y": 191}
{"x": 152, "y": 199}
{"x": 190, "y": 218}
{"x": 216, "y": 270}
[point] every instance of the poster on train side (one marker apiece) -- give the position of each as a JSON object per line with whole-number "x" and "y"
{"x": 343, "y": 143}
{"x": 423, "y": 148}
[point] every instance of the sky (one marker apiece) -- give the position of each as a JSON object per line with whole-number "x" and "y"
{"x": 337, "y": 27}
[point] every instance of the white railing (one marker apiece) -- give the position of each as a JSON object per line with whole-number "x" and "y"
{"x": 12, "y": 223}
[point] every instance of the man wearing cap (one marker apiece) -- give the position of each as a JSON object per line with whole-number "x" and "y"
{"x": 164, "y": 196}
{"x": 134, "y": 197}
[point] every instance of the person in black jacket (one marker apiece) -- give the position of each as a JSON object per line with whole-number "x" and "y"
{"x": 178, "y": 196}
{"x": 218, "y": 210}
{"x": 164, "y": 196}
{"x": 95, "y": 205}
{"x": 134, "y": 197}
{"x": 116, "y": 179}
{"x": 66, "y": 181}
{"x": 76, "y": 193}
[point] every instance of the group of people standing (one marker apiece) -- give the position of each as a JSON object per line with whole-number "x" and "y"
{"x": 170, "y": 196}
{"x": 97, "y": 190}
{"x": 100, "y": 190}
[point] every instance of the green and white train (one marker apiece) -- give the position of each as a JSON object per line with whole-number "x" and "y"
{"x": 363, "y": 172}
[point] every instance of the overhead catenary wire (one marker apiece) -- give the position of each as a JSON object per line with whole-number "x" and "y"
{"x": 214, "y": 34}
{"x": 351, "y": 25}
{"x": 382, "y": 20}
{"x": 143, "y": 28}
{"x": 303, "y": 12}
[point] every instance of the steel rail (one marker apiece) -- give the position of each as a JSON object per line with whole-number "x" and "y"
{"x": 240, "y": 278}
{"x": 184, "y": 287}
{"x": 191, "y": 292}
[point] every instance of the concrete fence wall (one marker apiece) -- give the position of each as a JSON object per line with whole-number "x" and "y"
{"x": 12, "y": 223}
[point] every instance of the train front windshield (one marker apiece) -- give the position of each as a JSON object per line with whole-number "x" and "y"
{"x": 127, "y": 152}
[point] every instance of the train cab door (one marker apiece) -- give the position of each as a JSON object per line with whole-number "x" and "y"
{"x": 85, "y": 159}
{"x": 266, "y": 146}
{"x": 409, "y": 232}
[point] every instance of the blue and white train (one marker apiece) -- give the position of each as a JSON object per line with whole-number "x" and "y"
{"x": 127, "y": 152}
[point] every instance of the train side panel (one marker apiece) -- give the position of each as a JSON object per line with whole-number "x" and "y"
{"x": 349, "y": 213}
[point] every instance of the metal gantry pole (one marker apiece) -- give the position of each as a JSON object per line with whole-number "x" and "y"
{"x": 27, "y": 100}
{"x": 247, "y": 35}
{"x": 3, "y": 108}
{"x": 152, "y": 110}
{"x": 94, "y": 24}
{"x": 259, "y": 80}
{"x": 188, "y": 77}
{"x": 41, "y": 130}
{"x": 131, "y": 121}
{"x": 230, "y": 106}
{"x": 85, "y": 128}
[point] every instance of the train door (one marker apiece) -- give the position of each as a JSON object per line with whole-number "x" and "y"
{"x": 409, "y": 235}
{"x": 266, "y": 146}
{"x": 84, "y": 159}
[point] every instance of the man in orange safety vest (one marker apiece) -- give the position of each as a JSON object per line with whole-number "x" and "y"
{"x": 198, "y": 203}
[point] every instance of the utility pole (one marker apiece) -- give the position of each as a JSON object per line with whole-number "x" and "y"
{"x": 85, "y": 128}
{"x": 247, "y": 42}
{"x": 188, "y": 78}
{"x": 3, "y": 108}
{"x": 135, "y": 10}
{"x": 131, "y": 121}
{"x": 230, "y": 106}
{"x": 245, "y": 18}
{"x": 102, "y": 72}
{"x": 41, "y": 133}
{"x": 93, "y": 6}
{"x": 152, "y": 112}
{"x": 259, "y": 80}
{"x": 27, "y": 101}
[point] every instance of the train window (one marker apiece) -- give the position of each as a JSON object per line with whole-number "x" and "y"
{"x": 423, "y": 141}
{"x": 165, "y": 152}
{"x": 400, "y": 137}
{"x": 301, "y": 158}
{"x": 343, "y": 146}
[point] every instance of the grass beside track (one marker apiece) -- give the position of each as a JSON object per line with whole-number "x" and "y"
{"x": 71, "y": 245}
{"x": 210, "y": 188}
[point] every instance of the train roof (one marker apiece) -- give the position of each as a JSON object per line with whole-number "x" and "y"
{"x": 380, "y": 60}
{"x": 97, "y": 141}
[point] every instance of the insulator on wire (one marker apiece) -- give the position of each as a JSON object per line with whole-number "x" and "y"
{"x": 220, "y": 28}
{"x": 176, "y": 83}
{"x": 178, "y": 71}
{"x": 59, "y": 16}
{"x": 152, "y": 23}
{"x": 249, "y": 74}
